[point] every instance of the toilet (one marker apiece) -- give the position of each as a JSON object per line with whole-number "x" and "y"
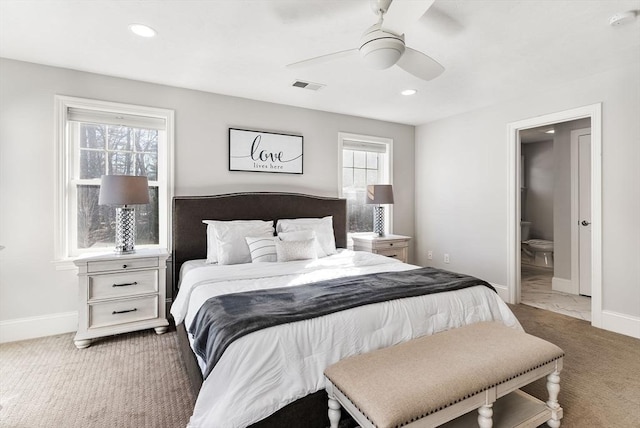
{"x": 543, "y": 252}
{"x": 538, "y": 252}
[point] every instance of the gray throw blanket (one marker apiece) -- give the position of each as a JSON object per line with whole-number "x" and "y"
{"x": 223, "y": 319}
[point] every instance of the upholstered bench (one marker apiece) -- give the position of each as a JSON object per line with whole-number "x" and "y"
{"x": 440, "y": 379}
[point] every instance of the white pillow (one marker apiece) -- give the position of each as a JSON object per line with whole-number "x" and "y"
{"x": 323, "y": 227}
{"x": 303, "y": 235}
{"x": 241, "y": 227}
{"x": 295, "y": 250}
{"x": 262, "y": 249}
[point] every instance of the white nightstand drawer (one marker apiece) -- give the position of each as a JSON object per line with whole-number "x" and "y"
{"x": 383, "y": 245}
{"x": 123, "y": 311}
{"x": 124, "y": 264}
{"x": 395, "y": 253}
{"x": 123, "y": 284}
{"x": 395, "y": 246}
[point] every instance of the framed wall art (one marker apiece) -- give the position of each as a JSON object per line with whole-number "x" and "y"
{"x": 261, "y": 151}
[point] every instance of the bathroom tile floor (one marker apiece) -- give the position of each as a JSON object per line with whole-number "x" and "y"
{"x": 536, "y": 291}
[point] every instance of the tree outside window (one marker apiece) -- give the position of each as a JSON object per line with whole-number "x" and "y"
{"x": 365, "y": 161}
{"x": 115, "y": 150}
{"x": 359, "y": 169}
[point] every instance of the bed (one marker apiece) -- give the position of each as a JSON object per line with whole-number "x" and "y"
{"x": 273, "y": 377}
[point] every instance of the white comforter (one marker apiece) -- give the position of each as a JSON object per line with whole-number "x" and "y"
{"x": 268, "y": 369}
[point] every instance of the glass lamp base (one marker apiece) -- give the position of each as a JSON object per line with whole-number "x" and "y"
{"x": 378, "y": 220}
{"x": 125, "y": 230}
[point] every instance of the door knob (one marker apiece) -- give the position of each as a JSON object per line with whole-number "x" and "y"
{"x": 585, "y": 223}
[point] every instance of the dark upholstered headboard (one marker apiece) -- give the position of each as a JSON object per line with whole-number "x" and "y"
{"x": 190, "y": 234}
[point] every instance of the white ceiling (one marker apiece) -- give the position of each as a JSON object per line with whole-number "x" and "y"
{"x": 492, "y": 50}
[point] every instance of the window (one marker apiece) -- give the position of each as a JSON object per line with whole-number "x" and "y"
{"x": 95, "y": 138}
{"x": 364, "y": 160}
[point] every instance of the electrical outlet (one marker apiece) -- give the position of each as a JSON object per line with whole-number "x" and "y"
{"x": 430, "y": 255}
{"x": 446, "y": 258}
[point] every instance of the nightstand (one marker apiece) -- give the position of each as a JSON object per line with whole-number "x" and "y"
{"x": 121, "y": 293}
{"x": 396, "y": 246}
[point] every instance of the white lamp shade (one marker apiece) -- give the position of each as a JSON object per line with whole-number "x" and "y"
{"x": 123, "y": 190}
{"x": 380, "y": 194}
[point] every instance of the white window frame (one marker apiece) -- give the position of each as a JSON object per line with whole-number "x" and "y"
{"x": 368, "y": 139}
{"x": 65, "y": 150}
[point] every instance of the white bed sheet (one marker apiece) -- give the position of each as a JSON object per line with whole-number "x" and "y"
{"x": 268, "y": 369}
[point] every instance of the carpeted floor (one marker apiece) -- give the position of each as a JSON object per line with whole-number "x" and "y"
{"x": 136, "y": 380}
{"x": 133, "y": 380}
{"x": 600, "y": 382}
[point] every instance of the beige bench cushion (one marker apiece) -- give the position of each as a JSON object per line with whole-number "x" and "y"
{"x": 403, "y": 383}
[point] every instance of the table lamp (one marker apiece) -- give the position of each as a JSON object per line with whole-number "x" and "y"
{"x": 379, "y": 194}
{"x": 123, "y": 191}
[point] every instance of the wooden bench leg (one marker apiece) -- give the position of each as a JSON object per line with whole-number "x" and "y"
{"x": 485, "y": 416}
{"x": 334, "y": 412}
{"x": 553, "y": 387}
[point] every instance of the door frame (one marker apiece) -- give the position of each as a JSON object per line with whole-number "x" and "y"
{"x": 593, "y": 112}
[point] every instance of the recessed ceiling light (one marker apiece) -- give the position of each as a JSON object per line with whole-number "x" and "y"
{"x": 409, "y": 92}
{"x": 142, "y": 30}
{"x": 551, "y": 131}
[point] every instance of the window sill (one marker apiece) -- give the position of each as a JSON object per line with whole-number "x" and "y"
{"x": 68, "y": 263}
{"x": 64, "y": 264}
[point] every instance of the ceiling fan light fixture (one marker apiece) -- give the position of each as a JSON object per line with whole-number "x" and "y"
{"x": 380, "y": 49}
{"x": 381, "y": 59}
{"x": 382, "y": 53}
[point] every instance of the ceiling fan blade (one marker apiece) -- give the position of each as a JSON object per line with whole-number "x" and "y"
{"x": 441, "y": 22}
{"x": 323, "y": 58}
{"x": 403, "y": 13}
{"x": 419, "y": 64}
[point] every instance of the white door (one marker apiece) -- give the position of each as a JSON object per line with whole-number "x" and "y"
{"x": 584, "y": 207}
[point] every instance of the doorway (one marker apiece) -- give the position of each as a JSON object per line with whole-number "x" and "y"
{"x": 593, "y": 113}
{"x": 553, "y": 158}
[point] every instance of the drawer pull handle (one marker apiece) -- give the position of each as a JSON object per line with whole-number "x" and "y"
{"x": 392, "y": 255}
{"x": 124, "y": 312}
{"x": 391, "y": 244}
{"x": 124, "y": 266}
{"x": 125, "y": 284}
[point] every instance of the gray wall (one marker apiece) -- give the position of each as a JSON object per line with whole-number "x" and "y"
{"x": 538, "y": 196}
{"x": 462, "y": 184}
{"x": 32, "y": 285}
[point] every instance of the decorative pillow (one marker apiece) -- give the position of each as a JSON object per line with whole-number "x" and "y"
{"x": 323, "y": 227}
{"x": 303, "y": 235}
{"x": 234, "y": 233}
{"x": 262, "y": 249}
{"x": 295, "y": 250}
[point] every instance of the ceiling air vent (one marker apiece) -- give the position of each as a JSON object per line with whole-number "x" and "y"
{"x": 307, "y": 85}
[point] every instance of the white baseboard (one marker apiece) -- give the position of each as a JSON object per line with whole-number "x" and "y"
{"x": 562, "y": 285}
{"x": 621, "y": 323}
{"x": 32, "y": 327}
{"x": 502, "y": 290}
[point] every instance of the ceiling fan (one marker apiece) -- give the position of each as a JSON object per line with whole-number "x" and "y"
{"x": 382, "y": 45}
